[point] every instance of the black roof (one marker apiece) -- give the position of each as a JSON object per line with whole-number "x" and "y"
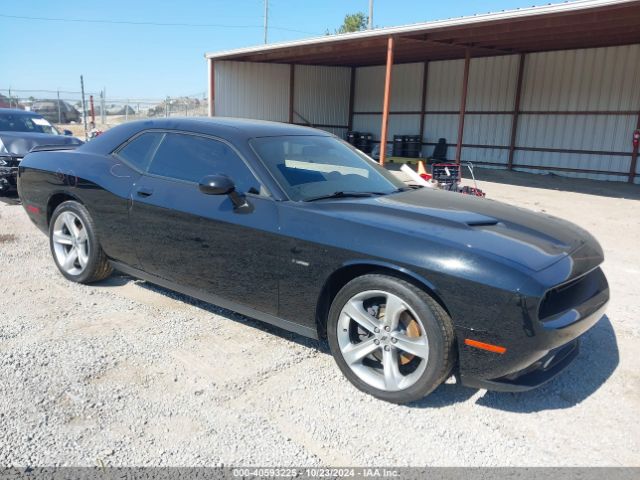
{"x": 231, "y": 129}
{"x": 16, "y": 111}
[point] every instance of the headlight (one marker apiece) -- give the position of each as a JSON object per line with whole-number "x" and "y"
{"x": 2, "y": 161}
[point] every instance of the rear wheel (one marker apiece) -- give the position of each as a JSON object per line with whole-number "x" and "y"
{"x": 390, "y": 338}
{"x": 75, "y": 246}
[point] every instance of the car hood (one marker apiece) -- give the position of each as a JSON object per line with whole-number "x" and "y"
{"x": 20, "y": 143}
{"x": 533, "y": 240}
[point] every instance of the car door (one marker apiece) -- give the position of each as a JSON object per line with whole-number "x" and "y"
{"x": 201, "y": 241}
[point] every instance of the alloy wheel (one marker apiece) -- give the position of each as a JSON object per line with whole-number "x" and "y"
{"x": 70, "y": 243}
{"x": 382, "y": 340}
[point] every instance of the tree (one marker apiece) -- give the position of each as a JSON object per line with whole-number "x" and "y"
{"x": 353, "y": 22}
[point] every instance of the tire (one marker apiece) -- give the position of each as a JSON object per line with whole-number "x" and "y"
{"x": 416, "y": 322}
{"x": 72, "y": 229}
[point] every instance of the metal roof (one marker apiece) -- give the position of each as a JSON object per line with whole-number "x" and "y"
{"x": 579, "y": 24}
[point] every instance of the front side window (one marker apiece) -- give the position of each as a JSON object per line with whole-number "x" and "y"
{"x": 308, "y": 167}
{"x": 192, "y": 157}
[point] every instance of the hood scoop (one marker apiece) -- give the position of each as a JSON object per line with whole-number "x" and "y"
{"x": 482, "y": 223}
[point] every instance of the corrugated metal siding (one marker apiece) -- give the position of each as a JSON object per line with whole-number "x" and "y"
{"x": 339, "y": 132}
{"x": 591, "y": 79}
{"x": 491, "y": 155}
{"x": 406, "y": 88}
{"x": 599, "y": 162}
{"x": 321, "y": 94}
{"x": 252, "y": 90}
{"x": 398, "y": 125}
{"x": 610, "y": 133}
{"x": 440, "y": 126}
{"x": 444, "y": 82}
{"x": 606, "y": 79}
{"x": 492, "y": 83}
{"x": 486, "y": 130}
{"x": 491, "y": 87}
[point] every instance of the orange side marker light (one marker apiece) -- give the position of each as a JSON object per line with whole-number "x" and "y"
{"x": 485, "y": 346}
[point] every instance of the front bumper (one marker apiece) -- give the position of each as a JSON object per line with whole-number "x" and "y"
{"x": 8, "y": 172}
{"x": 533, "y": 376}
{"x": 543, "y": 344}
{"x": 8, "y": 178}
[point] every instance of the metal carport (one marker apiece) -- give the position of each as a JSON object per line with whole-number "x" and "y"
{"x": 554, "y": 88}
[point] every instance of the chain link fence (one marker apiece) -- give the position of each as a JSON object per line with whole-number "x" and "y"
{"x": 65, "y": 107}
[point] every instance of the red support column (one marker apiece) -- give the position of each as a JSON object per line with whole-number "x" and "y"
{"x": 385, "y": 105}
{"x": 212, "y": 89}
{"x": 423, "y": 105}
{"x": 634, "y": 157}
{"x": 463, "y": 103}
{"x": 516, "y": 112}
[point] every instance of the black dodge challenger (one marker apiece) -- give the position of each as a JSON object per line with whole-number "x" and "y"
{"x": 294, "y": 227}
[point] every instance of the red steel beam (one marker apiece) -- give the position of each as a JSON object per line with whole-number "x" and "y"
{"x": 507, "y": 112}
{"x": 463, "y": 103}
{"x": 552, "y": 168}
{"x": 608, "y": 153}
{"x": 423, "y": 104}
{"x": 352, "y": 93}
{"x": 516, "y": 111}
{"x": 386, "y": 101}
{"x": 634, "y": 156}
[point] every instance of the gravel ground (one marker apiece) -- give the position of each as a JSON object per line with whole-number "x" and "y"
{"x": 125, "y": 373}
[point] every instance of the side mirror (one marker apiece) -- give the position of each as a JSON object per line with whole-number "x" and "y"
{"x": 223, "y": 185}
{"x": 67, "y": 132}
{"x": 216, "y": 185}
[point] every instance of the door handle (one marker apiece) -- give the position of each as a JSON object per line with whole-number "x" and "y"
{"x": 144, "y": 192}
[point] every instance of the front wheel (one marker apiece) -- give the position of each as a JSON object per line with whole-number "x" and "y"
{"x": 74, "y": 244}
{"x": 390, "y": 338}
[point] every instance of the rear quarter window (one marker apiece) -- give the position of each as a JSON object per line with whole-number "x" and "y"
{"x": 139, "y": 151}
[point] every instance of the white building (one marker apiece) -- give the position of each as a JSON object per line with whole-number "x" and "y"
{"x": 544, "y": 89}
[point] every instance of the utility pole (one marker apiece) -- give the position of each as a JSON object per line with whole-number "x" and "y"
{"x": 103, "y": 103}
{"x": 370, "y": 22}
{"x": 266, "y": 19}
{"x": 58, "y": 104}
{"x": 84, "y": 108}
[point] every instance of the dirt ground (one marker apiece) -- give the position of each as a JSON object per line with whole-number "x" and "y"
{"x": 125, "y": 373}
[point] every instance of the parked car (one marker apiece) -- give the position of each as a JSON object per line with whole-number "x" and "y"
{"x": 20, "y": 131}
{"x": 4, "y": 102}
{"x": 49, "y": 110}
{"x": 119, "y": 110}
{"x": 294, "y": 227}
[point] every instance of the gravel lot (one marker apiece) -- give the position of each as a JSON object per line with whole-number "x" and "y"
{"x": 125, "y": 373}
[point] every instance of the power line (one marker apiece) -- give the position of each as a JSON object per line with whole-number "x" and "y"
{"x": 154, "y": 24}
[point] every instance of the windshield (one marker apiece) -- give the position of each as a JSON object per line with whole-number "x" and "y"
{"x": 309, "y": 167}
{"x": 26, "y": 123}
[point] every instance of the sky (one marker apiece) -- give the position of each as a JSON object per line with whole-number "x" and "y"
{"x": 145, "y": 61}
